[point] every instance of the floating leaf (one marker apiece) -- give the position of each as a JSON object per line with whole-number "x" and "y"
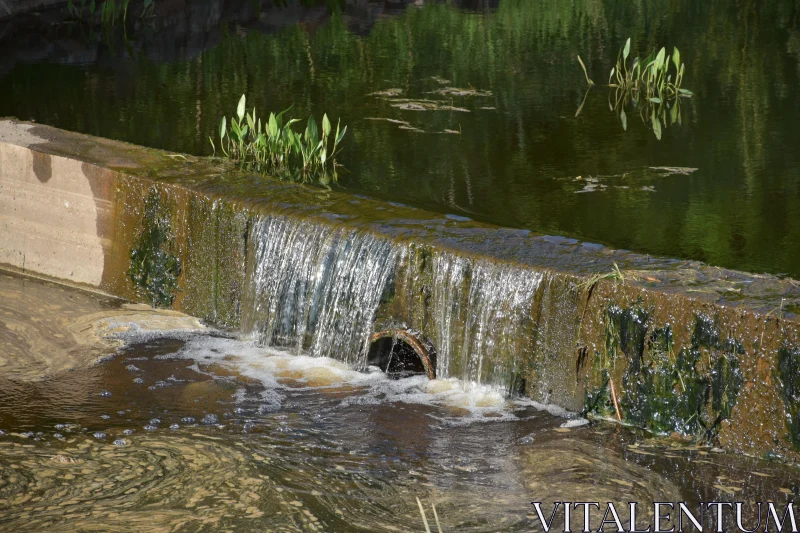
{"x": 624, "y": 119}
{"x": 627, "y": 49}
{"x": 613, "y": 70}
{"x": 223, "y": 128}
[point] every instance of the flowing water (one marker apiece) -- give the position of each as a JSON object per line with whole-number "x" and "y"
{"x": 720, "y": 186}
{"x": 116, "y": 417}
{"x": 183, "y": 429}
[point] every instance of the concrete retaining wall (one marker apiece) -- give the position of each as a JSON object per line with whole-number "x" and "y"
{"x": 667, "y": 345}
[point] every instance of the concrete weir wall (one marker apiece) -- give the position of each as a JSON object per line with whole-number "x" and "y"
{"x": 672, "y": 346}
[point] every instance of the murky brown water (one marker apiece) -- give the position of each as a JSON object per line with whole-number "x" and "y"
{"x": 198, "y": 432}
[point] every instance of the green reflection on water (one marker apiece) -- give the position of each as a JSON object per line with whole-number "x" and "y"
{"x": 518, "y": 149}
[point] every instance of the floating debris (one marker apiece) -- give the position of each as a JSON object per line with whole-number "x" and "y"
{"x": 402, "y": 124}
{"x": 391, "y": 120}
{"x": 456, "y": 91}
{"x": 388, "y": 92}
{"x": 671, "y": 171}
{"x": 121, "y": 443}
{"x": 424, "y": 105}
{"x": 412, "y": 129}
{"x": 592, "y": 187}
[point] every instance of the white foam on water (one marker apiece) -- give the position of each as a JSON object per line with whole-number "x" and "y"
{"x": 278, "y": 371}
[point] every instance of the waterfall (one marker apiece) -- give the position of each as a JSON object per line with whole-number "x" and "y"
{"x": 314, "y": 287}
{"x": 480, "y": 316}
{"x": 317, "y": 287}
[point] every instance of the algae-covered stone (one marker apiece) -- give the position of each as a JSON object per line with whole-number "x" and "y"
{"x": 789, "y": 375}
{"x": 154, "y": 268}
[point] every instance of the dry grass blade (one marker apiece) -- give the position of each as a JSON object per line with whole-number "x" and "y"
{"x": 425, "y": 518}
{"x": 615, "y": 274}
{"x": 588, "y": 80}
{"x": 436, "y": 517}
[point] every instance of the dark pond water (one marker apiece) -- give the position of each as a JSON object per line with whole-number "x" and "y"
{"x": 519, "y": 148}
{"x": 205, "y": 433}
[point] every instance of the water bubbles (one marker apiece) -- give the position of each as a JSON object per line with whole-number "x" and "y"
{"x": 105, "y": 394}
{"x": 265, "y": 408}
{"x": 105, "y": 417}
{"x": 128, "y": 432}
{"x": 2, "y": 432}
{"x": 174, "y": 426}
{"x": 59, "y": 436}
{"x": 27, "y": 434}
{"x": 210, "y": 419}
{"x": 155, "y": 421}
{"x": 133, "y": 368}
{"x": 59, "y": 427}
{"x": 121, "y": 443}
{"x": 149, "y": 427}
{"x": 138, "y": 381}
{"x": 188, "y": 420}
{"x": 99, "y": 435}
{"x": 121, "y": 413}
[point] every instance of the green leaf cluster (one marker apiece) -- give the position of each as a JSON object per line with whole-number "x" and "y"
{"x": 275, "y": 148}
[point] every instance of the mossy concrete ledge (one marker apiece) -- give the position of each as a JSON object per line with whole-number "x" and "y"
{"x": 673, "y": 346}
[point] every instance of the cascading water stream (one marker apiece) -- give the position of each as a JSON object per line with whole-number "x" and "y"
{"x": 317, "y": 288}
{"x": 481, "y": 314}
{"x": 314, "y": 287}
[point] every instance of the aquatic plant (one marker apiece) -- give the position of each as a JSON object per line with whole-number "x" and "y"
{"x": 275, "y": 148}
{"x": 650, "y": 75}
{"x": 650, "y": 85}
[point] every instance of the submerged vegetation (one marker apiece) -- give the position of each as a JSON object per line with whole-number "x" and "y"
{"x": 110, "y": 10}
{"x": 650, "y": 85}
{"x": 275, "y": 148}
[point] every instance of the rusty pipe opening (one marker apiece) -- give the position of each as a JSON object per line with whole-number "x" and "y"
{"x": 402, "y": 352}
